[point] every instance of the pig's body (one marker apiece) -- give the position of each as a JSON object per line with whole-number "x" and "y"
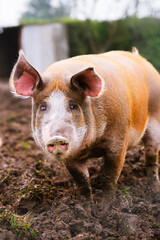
{"x": 91, "y": 106}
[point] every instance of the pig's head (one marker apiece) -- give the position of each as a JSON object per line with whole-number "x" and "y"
{"x": 62, "y": 118}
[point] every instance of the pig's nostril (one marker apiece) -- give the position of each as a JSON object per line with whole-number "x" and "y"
{"x": 64, "y": 146}
{"x": 51, "y": 147}
{"x": 57, "y": 145}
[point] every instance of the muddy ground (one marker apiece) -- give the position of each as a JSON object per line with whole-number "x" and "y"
{"x": 39, "y": 200}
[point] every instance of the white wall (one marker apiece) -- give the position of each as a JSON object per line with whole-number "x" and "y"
{"x": 44, "y": 44}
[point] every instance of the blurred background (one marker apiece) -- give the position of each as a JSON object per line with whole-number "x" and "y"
{"x": 51, "y": 30}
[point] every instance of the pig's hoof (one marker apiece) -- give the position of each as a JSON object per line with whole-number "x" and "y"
{"x": 105, "y": 207}
{"x": 156, "y": 187}
{"x": 86, "y": 194}
{"x": 154, "y": 184}
{"x": 88, "y": 198}
{"x": 108, "y": 197}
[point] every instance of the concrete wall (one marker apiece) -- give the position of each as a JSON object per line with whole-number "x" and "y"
{"x": 44, "y": 44}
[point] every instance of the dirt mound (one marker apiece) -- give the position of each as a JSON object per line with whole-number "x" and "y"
{"x": 39, "y": 200}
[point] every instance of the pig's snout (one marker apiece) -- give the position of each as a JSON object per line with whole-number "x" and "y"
{"x": 57, "y": 145}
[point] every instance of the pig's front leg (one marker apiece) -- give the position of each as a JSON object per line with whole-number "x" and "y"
{"x": 80, "y": 174}
{"x": 113, "y": 164}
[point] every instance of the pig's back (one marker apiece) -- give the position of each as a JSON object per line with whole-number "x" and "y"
{"x": 142, "y": 69}
{"x": 126, "y": 68}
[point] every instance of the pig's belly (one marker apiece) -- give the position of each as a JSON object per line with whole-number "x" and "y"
{"x": 136, "y": 135}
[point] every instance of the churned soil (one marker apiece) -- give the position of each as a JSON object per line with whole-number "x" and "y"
{"x": 39, "y": 200}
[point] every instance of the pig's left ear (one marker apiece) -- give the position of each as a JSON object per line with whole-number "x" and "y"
{"x": 88, "y": 82}
{"x": 24, "y": 78}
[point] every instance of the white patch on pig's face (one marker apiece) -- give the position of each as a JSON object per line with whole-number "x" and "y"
{"x": 56, "y": 113}
{"x": 55, "y": 117}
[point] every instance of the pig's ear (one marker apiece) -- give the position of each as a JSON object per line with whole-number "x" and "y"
{"x": 24, "y": 78}
{"x": 88, "y": 82}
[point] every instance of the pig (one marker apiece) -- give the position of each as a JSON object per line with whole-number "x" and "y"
{"x": 97, "y": 105}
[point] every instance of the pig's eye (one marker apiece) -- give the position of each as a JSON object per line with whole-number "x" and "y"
{"x": 43, "y": 106}
{"x": 73, "y": 105}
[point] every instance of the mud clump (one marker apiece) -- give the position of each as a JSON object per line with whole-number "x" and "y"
{"x": 39, "y": 200}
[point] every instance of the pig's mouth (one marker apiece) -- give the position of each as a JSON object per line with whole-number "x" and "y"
{"x": 57, "y": 145}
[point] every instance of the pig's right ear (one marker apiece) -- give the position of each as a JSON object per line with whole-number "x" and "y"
{"x": 24, "y": 78}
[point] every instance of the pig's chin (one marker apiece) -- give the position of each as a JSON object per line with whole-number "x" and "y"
{"x": 60, "y": 157}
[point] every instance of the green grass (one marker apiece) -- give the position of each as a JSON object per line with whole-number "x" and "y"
{"x": 22, "y": 226}
{"x": 125, "y": 191}
{"x": 127, "y": 196}
{"x": 26, "y": 144}
{"x": 5, "y": 178}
